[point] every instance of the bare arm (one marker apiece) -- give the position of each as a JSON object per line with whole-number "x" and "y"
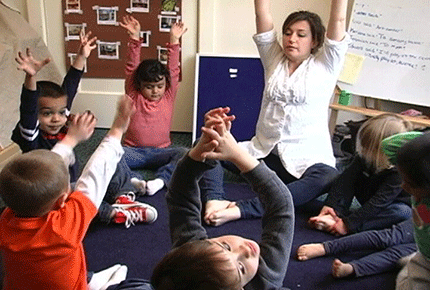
{"x": 336, "y": 27}
{"x": 263, "y": 17}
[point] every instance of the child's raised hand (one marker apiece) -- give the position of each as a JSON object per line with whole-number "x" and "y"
{"x": 28, "y": 64}
{"x": 80, "y": 129}
{"x": 132, "y": 25}
{"x": 176, "y": 31}
{"x": 222, "y": 112}
{"x": 87, "y": 44}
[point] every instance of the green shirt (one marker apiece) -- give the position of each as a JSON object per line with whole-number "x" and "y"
{"x": 421, "y": 213}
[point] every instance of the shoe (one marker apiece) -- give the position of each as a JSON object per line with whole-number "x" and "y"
{"x": 130, "y": 212}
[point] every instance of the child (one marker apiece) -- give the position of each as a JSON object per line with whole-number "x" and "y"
{"x": 225, "y": 262}
{"x": 292, "y": 134}
{"x": 45, "y": 105}
{"x": 153, "y": 89}
{"x": 413, "y": 162}
{"x": 372, "y": 179}
{"x": 394, "y": 243}
{"x": 44, "y": 112}
{"x": 44, "y": 223}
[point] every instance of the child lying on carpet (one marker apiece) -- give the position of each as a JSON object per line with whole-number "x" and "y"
{"x": 224, "y": 262}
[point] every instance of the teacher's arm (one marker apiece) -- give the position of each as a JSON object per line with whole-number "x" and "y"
{"x": 336, "y": 28}
{"x": 263, "y": 17}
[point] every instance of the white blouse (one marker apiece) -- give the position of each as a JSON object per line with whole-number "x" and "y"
{"x": 293, "y": 120}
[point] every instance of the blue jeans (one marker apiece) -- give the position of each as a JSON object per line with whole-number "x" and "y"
{"x": 314, "y": 182}
{"x": 392, "y": 214}
{"x": 132, "y": 284}
{"x": 392, "y": 244}
{"x": 163, "y": 160}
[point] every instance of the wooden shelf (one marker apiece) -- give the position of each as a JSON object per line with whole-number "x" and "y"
{"x": 371, "y": 112}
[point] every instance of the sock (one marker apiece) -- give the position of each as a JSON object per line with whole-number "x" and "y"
{"x": 117, "y": 277}
{"x": 139, "y": 184}
{"x": 153, "y": 186}
{"x": 101, "y": 278}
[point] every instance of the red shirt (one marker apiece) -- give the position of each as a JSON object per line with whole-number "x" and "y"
{"x": 47, "y": 252}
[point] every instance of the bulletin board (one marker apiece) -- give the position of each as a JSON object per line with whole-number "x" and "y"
{"x": 102, "y": 18}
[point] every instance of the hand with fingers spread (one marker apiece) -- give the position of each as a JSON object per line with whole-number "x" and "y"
{"x": 28, "y": 64}
{"x": 86, "y": 46}
{"x": 176, "y": 31}
{"x": 132, "y": 25}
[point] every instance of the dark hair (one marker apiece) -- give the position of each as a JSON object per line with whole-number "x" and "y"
{"x": 32, "y": 182}
{"x": 196, "y": 265}
{"x": 413, "y": 159}
{"x": 152, "y": 71}
{"x": 50, "y": 89}
{"x": 317, "y": 28}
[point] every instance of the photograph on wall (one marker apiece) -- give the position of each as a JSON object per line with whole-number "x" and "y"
{"x": 138, "y": 6}
{"x": 108, "y": 50}
{"x": 144, "y": 35}
{"x": 169, "y": 7}
{"x": 165, "y": 22}
{"x": 106, "y": 15}
{"x": 72, "y": 57}
{"x": 73, "y": 30}
{"x": 162, "y": 54}
{"x": 73, "y": 6}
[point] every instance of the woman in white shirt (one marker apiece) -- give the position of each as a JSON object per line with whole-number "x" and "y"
{"x": 292, "y": 134}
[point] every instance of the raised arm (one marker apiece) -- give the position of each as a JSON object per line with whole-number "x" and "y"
{"x": 86, "y": 46}
{"x": 31, "y": 66}
{"x": 263, "y": 17}
{"x": 336, "y": 28}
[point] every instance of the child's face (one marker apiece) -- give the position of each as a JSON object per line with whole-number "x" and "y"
{"x": 52, "y": 114}
{"x": 243, "y": 253}
{"x": 297, "y": 41}
{"x": 153, "y": 91}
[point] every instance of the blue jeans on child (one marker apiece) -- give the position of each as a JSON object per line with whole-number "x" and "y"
{"x": 163, "y": 160}
{"x": 314, "y": 182}
{"x": 391, "y": 243}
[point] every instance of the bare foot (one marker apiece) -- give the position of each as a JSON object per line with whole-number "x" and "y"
{"x": 322, "y": 223}
{"x": 309, "y": 251}
{"x": 219, "y": 212}
{"x": 340, "y": 269}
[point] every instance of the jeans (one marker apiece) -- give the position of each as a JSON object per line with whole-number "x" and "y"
{"x": 132, "y": 284}
{"x": 392, "y": 244}
{"x": 314, "y": 182}
{"x": 163, "y": 160}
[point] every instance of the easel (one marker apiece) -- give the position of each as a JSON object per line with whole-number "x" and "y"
{"x": 336, "y": 107}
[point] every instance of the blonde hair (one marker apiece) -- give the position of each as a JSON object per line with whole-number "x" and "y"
{"x": 372, "y": 132}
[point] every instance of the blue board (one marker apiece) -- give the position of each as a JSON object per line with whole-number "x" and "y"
{"x": 233, "y": 81}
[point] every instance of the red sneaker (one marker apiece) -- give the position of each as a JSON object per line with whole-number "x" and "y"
{"x": 130, "y": 212}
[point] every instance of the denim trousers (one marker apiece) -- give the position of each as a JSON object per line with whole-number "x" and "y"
{"x": 162, "y": 160}
{"x": 314, "y": 182}
{"x": 390, "y": 245}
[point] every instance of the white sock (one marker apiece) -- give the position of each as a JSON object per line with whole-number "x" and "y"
{"x": 139, "y": 184}
{"x": 101, "y": 278}
{"x": 153, "y": 186}
{"x": 117, "y": 277}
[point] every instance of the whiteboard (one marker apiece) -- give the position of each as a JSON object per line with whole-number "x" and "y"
{"x": 394, "y": 38}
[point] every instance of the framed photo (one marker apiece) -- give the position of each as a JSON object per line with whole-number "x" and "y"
{"x": 169, "y": 7}
{"x": 145, "y": 37}
{"x": 106, "y": 15}
{"x": 108, "y": 50}
{"x": 138, "y": 6}
{"x": 73, "y": 30}
{"x": 166, "y": 21}
{"x": 73, "y": 6}
{"x": 72, "y": 57}
{"x": 162, "y": 54}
